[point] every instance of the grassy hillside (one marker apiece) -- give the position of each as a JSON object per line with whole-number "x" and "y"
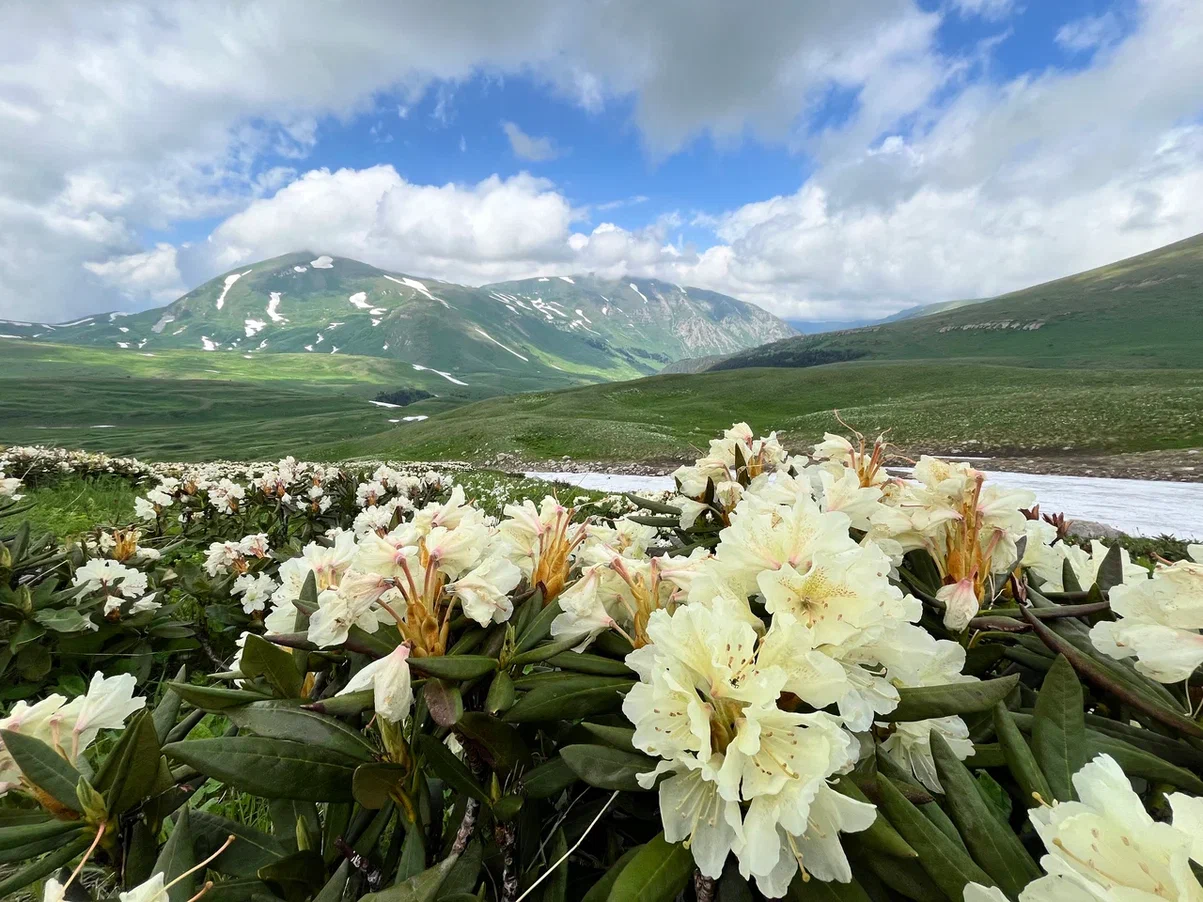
{"x": 943, "y": 403}
{"x": 193, "y": 405}
{"x": 1146, "y": 311}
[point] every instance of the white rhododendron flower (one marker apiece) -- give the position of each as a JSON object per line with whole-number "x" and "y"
{"x": 1107, "y": 846}
{"x": 389, "y": 680}
{"x": 484, "y": 592}
{"x": 256, "y": 591}
{"x": 1159, "y": 622}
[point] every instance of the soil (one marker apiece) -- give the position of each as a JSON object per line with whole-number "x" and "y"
{"x": 1184, "y": 465}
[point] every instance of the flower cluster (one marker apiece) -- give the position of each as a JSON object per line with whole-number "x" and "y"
{"x": 1107, "y": 846}
{"x": 726, "y": 684}
{"x": 1159, "y": 621}
{"x": 69, "y": 726}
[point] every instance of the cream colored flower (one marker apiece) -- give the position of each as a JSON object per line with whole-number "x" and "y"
{"x": 389, "y": 680}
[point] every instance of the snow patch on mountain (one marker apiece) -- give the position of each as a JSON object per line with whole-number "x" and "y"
{"x": 447, "y": 376}
{"x": 322, "y": 262}
{"x": 273, "y": 308}
{"x": 227, "y": 285}
{"x": 500, "y": 345}
{"x": 419, "y": 287}
{"x": 360, "y": 300}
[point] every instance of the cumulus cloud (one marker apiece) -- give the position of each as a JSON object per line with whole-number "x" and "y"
{"x": 527, "y": 147}
{"x": 941, "y": 182}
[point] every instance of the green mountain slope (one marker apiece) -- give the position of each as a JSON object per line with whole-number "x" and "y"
{"x": 1143, "y": 311}
{"x": 928, "y": 403}
{"x": 566, "y": 331}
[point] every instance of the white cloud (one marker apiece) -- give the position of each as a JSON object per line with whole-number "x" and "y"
{"x": 152, "y": 274}
{"x": 1089, "y": 32}
{"x": 941, "y": 182}
{"x": 528, "y": 147}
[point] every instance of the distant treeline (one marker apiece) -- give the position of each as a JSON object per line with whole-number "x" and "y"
{"x": 788, "y": 356}
{"x": 403, "y": 396}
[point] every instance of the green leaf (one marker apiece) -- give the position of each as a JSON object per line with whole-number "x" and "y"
{"x": 333, "y": 890}
{"x": 540, "y": 627}
{"x": 1111, "y": 571}
{"x": 607, "y": 768}
{"x": 548, "y": 779}
{"x": 167, "y": 711}
{"x": 881, "y": 836}
{"x": 44, "y": 867}
{"x": 344, "y": 705}
{"x": 926, "y": 702}
{"x": 213, "y": 698}
{"x": 251, "y": 849}
{"x": 1059, "y": 729}
{"x": 500, "y": 744}
{"x": 458, "y": 667}
{"x": 375, "y": 784}
{"x": 423, "y": 887}
{"x": 555, "y": 887}
{"x": 43, "y": 767}
{"x": 443, "y": 701}
{"x": 129, "y": 773}
{"x": 501, "y": 693}
{"x": 262, "y": 658}
{"x": 462, "y": 877}
{"x": 296, "y": 877}
{"x": 18, "y": 841}
{"x": 656, "y": 873}
{"x": 453, "y": 771}
{"x": 992, "y": 844}
{"x": 294, "y": 820}
{"x": 820, "y": 891}
{"x": 948, "y": 865}
{"x": 281, "y": 719}
{"x": 272, "y": 768}
{"x": 63, "y": 620}
{"x": 621, "y": 738}
{"x": 586, "y": 663}
{"x": 178, "y": 855}
{"x": 1020, "y": 760}
{"x": 543, "y": 652}
{"x": 600, "y": 891}
{"x": 551, "y": 702}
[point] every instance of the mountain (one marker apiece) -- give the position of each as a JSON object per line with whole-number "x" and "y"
{"x": 569, "y": 329}
{"x": 1145, "y": 311}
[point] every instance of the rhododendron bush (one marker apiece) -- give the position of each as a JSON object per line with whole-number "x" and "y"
{"x": 796, "y": 676}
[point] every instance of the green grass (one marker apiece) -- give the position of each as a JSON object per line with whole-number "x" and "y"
{"x": 942, "y": 404}
{"x": 1139, "y": 312}
{"x": 75, "y": 504}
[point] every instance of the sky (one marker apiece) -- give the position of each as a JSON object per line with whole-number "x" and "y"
{"x": 826, "y": 161}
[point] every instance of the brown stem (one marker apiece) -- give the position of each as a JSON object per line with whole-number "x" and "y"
{"x": 466, "y": 827}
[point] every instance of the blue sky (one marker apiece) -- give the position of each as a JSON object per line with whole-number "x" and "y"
{"x": 825, "y": 163}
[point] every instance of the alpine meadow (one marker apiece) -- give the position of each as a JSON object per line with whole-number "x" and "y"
{"x": 556, "y": 452}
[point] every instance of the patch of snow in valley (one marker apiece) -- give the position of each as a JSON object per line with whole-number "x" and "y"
{"x": 375, "y": 323}
{"x": 162, "y": 323}
{"x": 1142, "y": 507}
{"x": 262, "y": 344}
{"x": 566, "y": 279}
{"x": 229, "y": 282}
{"x": 6, "y": 335}
{"x": 249, "y": 356}
{"x": 253, "y": 326}
{"x": 320, "y": 338}
{"x": 105, "y": 426}
{"x": 14, "y": 322}
{"x": 417, "y": 418}
{"x": 322, "y": 262}
{"x": 360, "y": 300}
{"x": 123, "y": 328}
{"x": 148, "y": 354}
{"x": 447, "y": 376}
{"x": 500, "y": 345}
{"x": 385, "y": 348}
{"x": 378, "y": 311}
{"x": 308, "y": 347}
{"x": 581, "y": 314}
{"x": 334, "y": 349}
{"x": 635, "y": 288}
{"x": 273, "y": 308}
{"x": 208, "y": 343}
{"x": 78, "y": 322}
{"x": 300, "y": 268}
{"x": 419, "y": 287}
{"x": 123, "y": 344}
{"x": 384, "y": 404}
{"x": 333, "y": 325}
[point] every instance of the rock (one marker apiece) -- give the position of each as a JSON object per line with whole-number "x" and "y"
{"x": 1092, "y": 529}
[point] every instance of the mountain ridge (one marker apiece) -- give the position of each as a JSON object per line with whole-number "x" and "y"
{"x": 571, "y": 329}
